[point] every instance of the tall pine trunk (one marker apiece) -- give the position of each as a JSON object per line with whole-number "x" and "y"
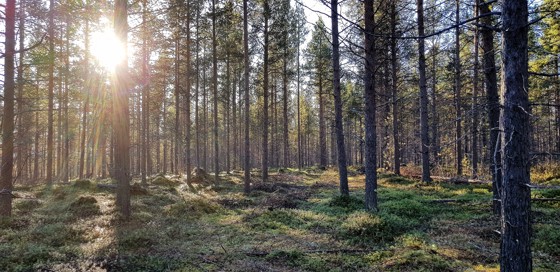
{"x": 342, "y": 171}
{"x": 515, "y": 127}
{"x": 493, "y": 101}
{"x": 121, "y": 115}
{"x": 6, "y": 170}
{"x": 370, "y": 107}
{"x": 424, "y": 136}
{"x": 247, "y": 159}
{"x": 458, "y": 121}
{"x": 50, "y": 121}
{"x": 265, "y": 95}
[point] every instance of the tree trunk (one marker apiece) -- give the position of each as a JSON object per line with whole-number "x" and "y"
{"x": 474, "y": 129}
{"x": 342, "y": 171}
{"x": 50, "y": 121}
{"x": 121, "y": 115}
{"x": 369, "y": 108}
{"x": 394, "y": 93}
{"x": 21, "y": 138}
{"x": 493, "y": 101}
{"x": 66, "y": 155}
{"x": 86, "y": 102}
{"x": 458, "y": 121}
{"x": 177, "y": 142}
{"x": 188, "y": 97}
{"x": 322, "y": 126}
{"x": 423, "y": 95}
{"x": 515, "y": 125}
{"x": 215, "y": 87}
{"x": 197, "y": 91}
{"x": 6, "y": 170}
{"x": 145, "y": 96}
{"x": 265, "y": 95}
{"x": 247, "y": 161}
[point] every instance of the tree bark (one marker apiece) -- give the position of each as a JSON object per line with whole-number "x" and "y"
{"x": 370, "y": 107}
{"x": 515, "y": 125}
{"x": 247, "y": 161}
{"x": 493, "y": 101}
{"x": 86, "y": 102}
{"x": 342, "y": 171}
{"x": 458, "y": 121}
{"x": 423, "y": 95}
{"x": 50, "y": 121}
{"x": 6, "y": 170}
{"x": 265, "y": 95}
{"x": 215, "y": 87}
{"x": 145, "y": 96}
{"x": 394, "y": 89}
{"x": 121, "y": 115}
{"x": 188, "y": 133}
{"x": 177, "y": 142}
{"x": 474, "y": 129}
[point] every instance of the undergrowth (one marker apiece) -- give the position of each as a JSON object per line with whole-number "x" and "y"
{"x": 297, "y": 223}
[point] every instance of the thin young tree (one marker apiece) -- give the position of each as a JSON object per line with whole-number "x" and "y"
{"x": 515, "y": 127}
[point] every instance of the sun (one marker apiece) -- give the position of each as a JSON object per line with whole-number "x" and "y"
{"x": 107, "y": 49}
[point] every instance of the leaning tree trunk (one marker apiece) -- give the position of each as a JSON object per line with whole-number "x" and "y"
{"x": 515, "y": 128}
{"x": 6, "y": 170}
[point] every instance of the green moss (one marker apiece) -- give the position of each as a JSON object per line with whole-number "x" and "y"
{"x": 547, "y": 239}
{"x": 192, "y": 207}
{"x": 55, "y": 235}
{"x": 161, "y": 180}
{"x": 347, "y": 203}
{"x": 276, "y": 219}
{"x": 84, "y": 206}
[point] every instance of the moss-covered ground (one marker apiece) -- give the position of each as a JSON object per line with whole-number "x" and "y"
{"x": 296, "y": 222}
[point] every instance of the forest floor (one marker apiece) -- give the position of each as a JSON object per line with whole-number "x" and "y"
{"x": 296, "y": 222}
